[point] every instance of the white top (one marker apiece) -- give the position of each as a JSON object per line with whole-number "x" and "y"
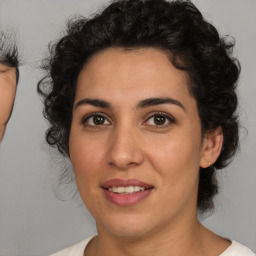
{"x": 235, "y": 249}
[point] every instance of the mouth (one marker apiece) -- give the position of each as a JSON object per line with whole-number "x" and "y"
{"x": 126, "y": 192}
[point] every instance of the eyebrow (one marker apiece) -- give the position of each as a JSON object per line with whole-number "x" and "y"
{"x": 94, "y": 102}
{"x": 158, "y": 101}
{"x": 142, "y": 104}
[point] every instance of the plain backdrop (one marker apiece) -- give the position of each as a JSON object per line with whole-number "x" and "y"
{"x": 33, "y": 220}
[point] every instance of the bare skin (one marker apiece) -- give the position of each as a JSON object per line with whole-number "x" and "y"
{"x": 201, "y": 242}
{"x": 122, "y": 139}
{"x": 7, "y": 95}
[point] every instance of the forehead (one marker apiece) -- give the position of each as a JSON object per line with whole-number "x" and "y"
{"x": 145, "y": 69}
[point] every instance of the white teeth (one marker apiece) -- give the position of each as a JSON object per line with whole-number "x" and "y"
{"x": 137, "y": 188}
{"x": 126, "y": 190}
{"x": 114, "y": 189}
{"x": 120, "y": 189}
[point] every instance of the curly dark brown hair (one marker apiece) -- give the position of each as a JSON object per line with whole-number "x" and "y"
{"x": 177, "y": 27}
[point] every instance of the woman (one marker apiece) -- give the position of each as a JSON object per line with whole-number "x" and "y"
{"x": 9, "y": 75}
{"x": 142, "y": 100}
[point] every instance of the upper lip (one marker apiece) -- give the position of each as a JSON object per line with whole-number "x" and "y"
{"x": 125, "y": 183}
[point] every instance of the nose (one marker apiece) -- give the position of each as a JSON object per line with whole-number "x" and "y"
{"x": 125, "y": 149}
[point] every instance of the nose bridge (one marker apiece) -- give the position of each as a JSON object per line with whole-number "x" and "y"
{"x": 125, "y": 150}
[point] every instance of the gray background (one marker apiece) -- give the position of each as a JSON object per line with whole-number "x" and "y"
{"x": 33, "y": 221}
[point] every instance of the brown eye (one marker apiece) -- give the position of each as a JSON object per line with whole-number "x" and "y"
{"x": 95, "y": 120}
{"x": 159, "y": 120}
{"x": 98, "y": 120}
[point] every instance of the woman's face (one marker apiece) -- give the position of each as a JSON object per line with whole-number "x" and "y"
{"x": 7, "y": 95}
{"x": 135, "y": 142}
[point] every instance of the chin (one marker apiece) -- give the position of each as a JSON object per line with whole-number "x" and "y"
{"x": 127, "y": 226}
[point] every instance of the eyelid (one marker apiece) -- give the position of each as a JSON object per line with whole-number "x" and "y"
{"x": 93, "y": 114}
{"x": 169, "y": 117}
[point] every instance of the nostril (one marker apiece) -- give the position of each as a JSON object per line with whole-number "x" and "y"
{"x": 132, "y": 164}
{"x": 122, "y": 165}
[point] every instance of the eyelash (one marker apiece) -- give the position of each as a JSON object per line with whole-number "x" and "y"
{"x": 168, "y": 117}
{"x": 93, "y": 115}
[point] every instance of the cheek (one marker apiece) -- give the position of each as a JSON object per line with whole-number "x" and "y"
{"x": 174, "y": 152}
{"x": 177, "y": 163}
{"x": 86, "y": 159}
{"x": 7, "y": 95}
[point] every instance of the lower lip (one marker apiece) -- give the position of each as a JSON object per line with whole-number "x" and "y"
{"x": 126, "y": 199}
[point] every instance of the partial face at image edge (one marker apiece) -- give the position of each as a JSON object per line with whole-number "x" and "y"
{"x": 8, "y": 84}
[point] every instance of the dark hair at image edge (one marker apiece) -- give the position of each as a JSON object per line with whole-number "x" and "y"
{"x": 176, "y": 27}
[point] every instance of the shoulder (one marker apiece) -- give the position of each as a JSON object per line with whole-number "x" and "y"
{"x": 74, "y": 250}
{"x": 237, "y": 249}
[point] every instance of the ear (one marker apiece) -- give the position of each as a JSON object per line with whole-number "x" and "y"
{"x": 211, "y": 148}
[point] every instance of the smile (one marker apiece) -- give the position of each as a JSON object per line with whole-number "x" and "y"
{"x": 126, "y": 192}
